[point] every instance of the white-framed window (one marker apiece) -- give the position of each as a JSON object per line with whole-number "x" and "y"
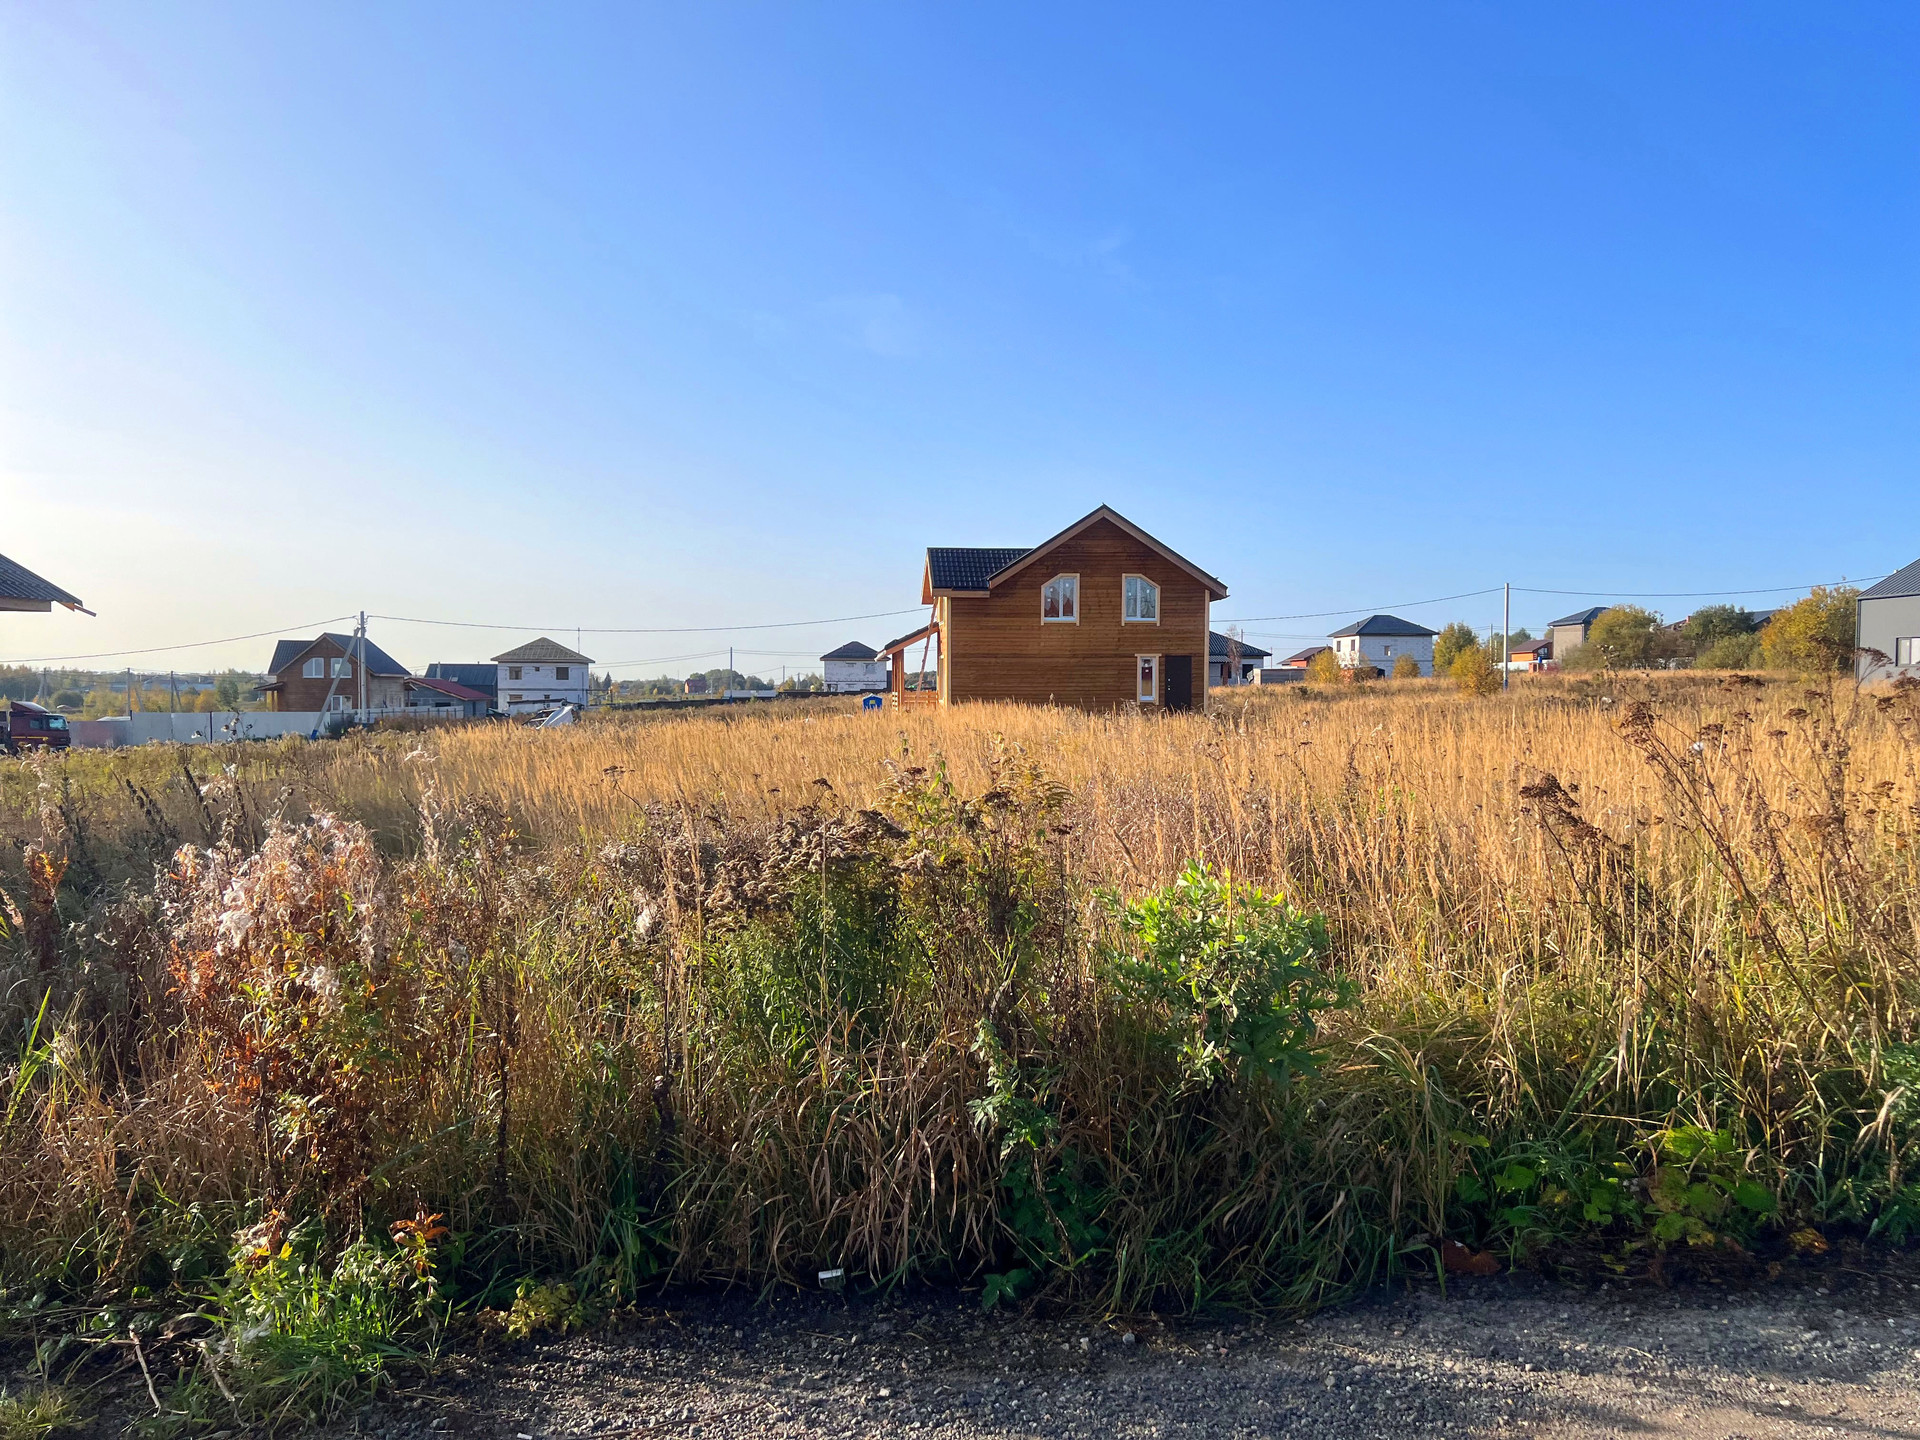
{"x": 1148, "y": 687}
{"x": 561, "y": 672}
{"x": 342, "y": 668}
{"x": 513, "y": 673}
{"x": 1907, "y": 651}
{"x": 337, "y": 703}
{"x": 1060, "y": 600}
{"x": 1139, "y": 600}
{"x": 316, "y": 668}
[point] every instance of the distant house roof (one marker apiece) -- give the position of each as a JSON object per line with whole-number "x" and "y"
{"x": 969, "y": 567}
{"x": 540, "y": 652}
{"x": 481, "y": 675}
{"x": 1218, "y": 647}
{"x": 1901, "y": 582}
{"x": 1384, "y": 625}
{"x": 449, "y": 688}
{"x": 852, "y": 650}
{"x": 1579, "y": 617}
{"x": 286, "y": 653}
{"x": 1303, "y": 656}
{"x": 976, "y": 570}
{"x": 21, "y": 589}
{"x": 1533, "y": 647}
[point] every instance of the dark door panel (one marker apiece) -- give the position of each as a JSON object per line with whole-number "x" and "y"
{"x": 1179, "y": 683}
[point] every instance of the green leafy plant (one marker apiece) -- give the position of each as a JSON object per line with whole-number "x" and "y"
{"x": 1050, "y": 1207}
{"x": 1231, "y": 972}
{"x": 305, "y": 1334}
{"x": 1699, "y": 1191}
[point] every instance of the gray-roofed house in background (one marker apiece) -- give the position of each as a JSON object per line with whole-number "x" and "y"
{"x": 1887, "y": 626}
{"x": 1379, "y": 640}
{"x": 21, "y": 589}
{"x": 1570, "y": 632}
{"x": 853, "y": 669}
{"x": 480, "y": 675}
{"x": 1220, "y": 659}
{"x": 539, "y": 675}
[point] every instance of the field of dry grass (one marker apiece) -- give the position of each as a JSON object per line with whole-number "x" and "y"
{"x": 1616, "y": 966}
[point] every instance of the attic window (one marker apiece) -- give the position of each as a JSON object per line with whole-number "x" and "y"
{"x": 1141, "y": 600}
{"x": 342, "y": 669}
{"x": 316, "y": 668}
{"x": 1060, "y": 599}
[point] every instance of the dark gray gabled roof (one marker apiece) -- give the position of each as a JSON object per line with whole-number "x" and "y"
{"x": 1901, "y": 582}
{"x": 852, "y": 650}
{"x": 286, "y": 652}
{"x": 1301, "y": 657}
{"x": 1217, "y": 647}
{"x": 1384, "y": 625}
{"x": 540, "y": 652}
{"x": 969, "y": 567}
{"x": 19, "y": 583}
{"x": 1579, "y": 617}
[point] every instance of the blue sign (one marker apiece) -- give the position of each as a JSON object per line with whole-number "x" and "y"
{"x": 873, "y": 702}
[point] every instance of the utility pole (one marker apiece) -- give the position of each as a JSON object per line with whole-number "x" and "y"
{"x": 129, "y": 692}
{"x": 1506, "y": 630}
{"x": 173, "y": 691}
{"x": 360, "y": 674}
{"x": 729, "y": 665}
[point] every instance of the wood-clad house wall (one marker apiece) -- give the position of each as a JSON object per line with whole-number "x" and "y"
{"x": 996, "y": 647}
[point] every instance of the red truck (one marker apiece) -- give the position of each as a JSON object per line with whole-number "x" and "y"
{"x": 32, "y": 727}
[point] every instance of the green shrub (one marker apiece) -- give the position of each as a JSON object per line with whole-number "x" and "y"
{"x": 1225, "y": 977}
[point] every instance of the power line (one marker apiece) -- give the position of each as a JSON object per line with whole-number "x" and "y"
{"x": 654, "y": 630}
{"x": 193, "y": 645}
{"x": 1356, "y": 609}
{"x": 1689, "y": 594}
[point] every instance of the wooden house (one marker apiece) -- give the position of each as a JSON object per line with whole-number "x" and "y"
{"x": 1100, "y": 616}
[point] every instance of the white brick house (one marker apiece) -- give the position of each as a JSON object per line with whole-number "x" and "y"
{"x": 541, "y": 675}
{"x": 1379, "y": 640}
{"x": 854, "y": 667}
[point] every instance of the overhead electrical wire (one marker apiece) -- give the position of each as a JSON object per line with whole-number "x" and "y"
{"x": 192, "y": 645}
{"x": 1688, "y": 594}
{"x": 654, "y": 629}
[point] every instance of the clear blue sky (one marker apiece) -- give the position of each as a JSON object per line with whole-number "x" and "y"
{"x": 708, "y": 314}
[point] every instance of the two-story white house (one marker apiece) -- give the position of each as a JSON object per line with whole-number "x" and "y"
{"x": 854, "y": 667}
{"x": 1379, "y": 640}
{"x": 541, "y": 675}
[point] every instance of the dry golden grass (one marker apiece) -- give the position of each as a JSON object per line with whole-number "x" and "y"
{"x": 1577, "y": 913}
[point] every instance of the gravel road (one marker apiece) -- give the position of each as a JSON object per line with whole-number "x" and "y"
{"x": 1513, "y": 1355}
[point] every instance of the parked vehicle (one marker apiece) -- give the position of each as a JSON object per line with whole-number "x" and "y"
{"x": 32, "y": 727}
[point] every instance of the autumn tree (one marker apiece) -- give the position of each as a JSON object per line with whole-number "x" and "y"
{"x": 1325, "y": 669}
{"x": 1451, "y": 641}
{"x": 1406, "y": 668}
{"x": 1472, "y": 671}
{"x": 1813, "y": 635}
{"x": 1623, "y": 637}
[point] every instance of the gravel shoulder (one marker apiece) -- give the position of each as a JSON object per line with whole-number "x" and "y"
{"x": 1508, "y": 1356}
{"x": 1834, "y": 1351}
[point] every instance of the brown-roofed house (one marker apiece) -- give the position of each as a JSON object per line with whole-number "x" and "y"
{"x": 541, "y": 675}
{"x": 1101, "y": 615}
